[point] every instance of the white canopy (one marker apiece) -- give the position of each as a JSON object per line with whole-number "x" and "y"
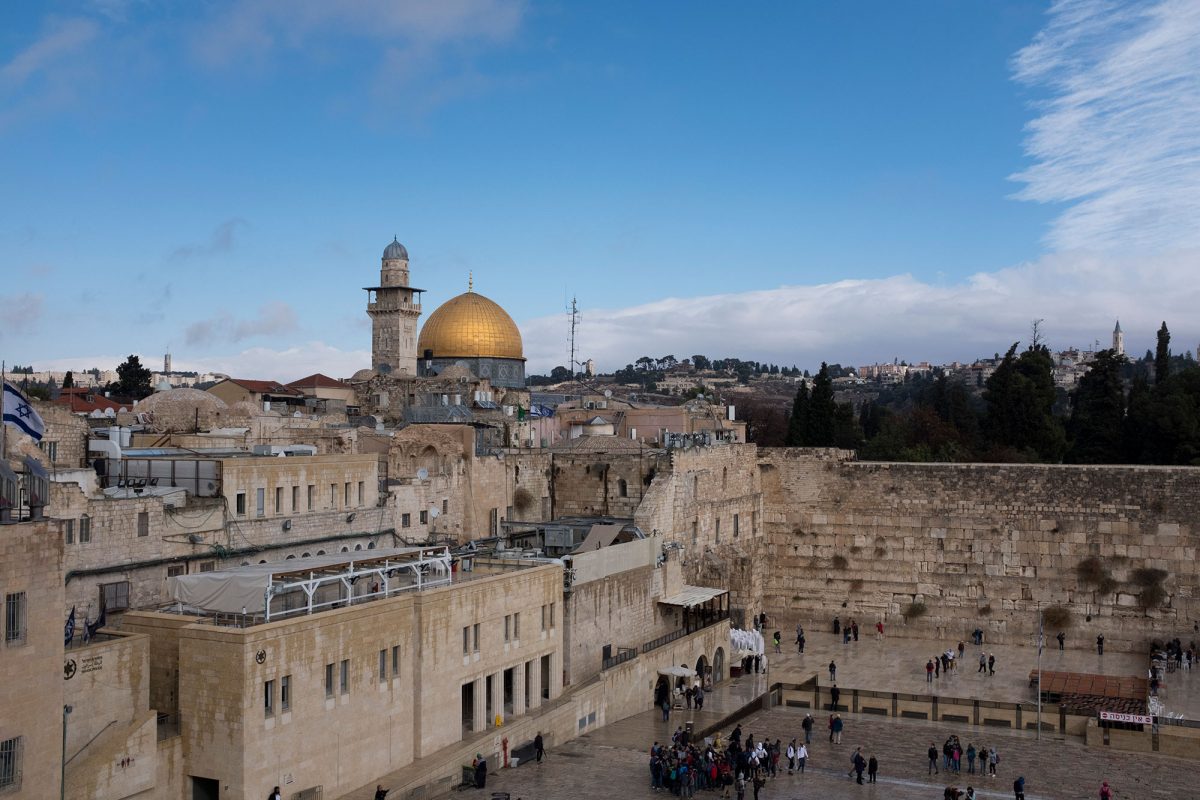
{"x": 677, "y": 672}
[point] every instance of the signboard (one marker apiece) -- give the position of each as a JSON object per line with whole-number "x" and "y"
{"x": 1136, "y": 719}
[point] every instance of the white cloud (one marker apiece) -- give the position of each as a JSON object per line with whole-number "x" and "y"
{"x": 288, "y": 364}
{"x": 223, "y": 239}
{"x": 862, "y": 321}
{"x": 1117, "y": 138}
{"x": 20, "y": 313}
{"x": 273, "y": 319}
{"x": 62, "y": 39}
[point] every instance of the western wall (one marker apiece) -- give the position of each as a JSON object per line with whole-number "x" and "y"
{"x": 937, "y": 549}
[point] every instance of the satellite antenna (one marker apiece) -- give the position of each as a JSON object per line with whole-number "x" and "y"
{"x": 608, "y": 392}
{"x": 434, "y": 512}
{"x": 422, "y": 474}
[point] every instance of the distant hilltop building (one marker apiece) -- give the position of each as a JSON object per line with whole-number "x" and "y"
{"x": 1118, "y": 339}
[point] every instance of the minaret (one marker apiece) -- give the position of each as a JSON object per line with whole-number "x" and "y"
{"x": 1118, "y": 339}
{"x": 394, "y": 307}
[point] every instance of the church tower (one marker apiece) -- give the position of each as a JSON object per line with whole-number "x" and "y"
{"x": 1118, "y": 340}
{"x": 394, "y": 307}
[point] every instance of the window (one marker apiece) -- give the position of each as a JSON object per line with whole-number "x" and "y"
{"x": 347, "y": 495}
{"x": 69, "y": 531}
{"x": 285, "y": 693}
{"x": 260, "y": 502}
{"x": 622, "y": 488}
{"x": 175, "y": 570}
{"x": 85, "y": 529}
{"x": 312, "y": 496}
{"x": 49, "y": 448}
{"x": 10, "y": 763}
{"x": 543, "y": 617}
{"x": 362, "y": 493}
{"x": 14, "y": 618}
{"x": 445, "y": 505}
{"x": 494, "y": 521}
{"x": 208, "y": 566}
{"x": 345, "y": 676}
{"x": 329, "y": 680}
{"x": 517, "y": 626}
{"x": 696, "y": 531}
{"x": 737, "y": 528}
{"x": 406, "y": 520}
{"x": 475, "y": 632}
{"x": 395, "y": 661}
{"x": 143, "y": 523}
{"x": 424, "y": 517}
{"x": 507, "y": 628}
{"x": 114, "y": 596}
{"x": 278, "y": 499}
{"x": 466, "y": 640}
{"x": 240, "y": 504}
{"x": 269, "y": 699}
{"x": 717, "y": 528}
{"x": 295, "y": 499}
{"x": 383, "y": 665}
{"x": 552, "y": 615}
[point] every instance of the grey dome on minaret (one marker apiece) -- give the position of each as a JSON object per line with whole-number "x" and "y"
{"x": 395, "y": 250}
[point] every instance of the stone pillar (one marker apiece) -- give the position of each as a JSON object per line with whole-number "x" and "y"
{"x": 479, "y": 718}
{"x": 533, "y": 669}
{"x": 519, "y": 689}
{"x": 496, "y": 679}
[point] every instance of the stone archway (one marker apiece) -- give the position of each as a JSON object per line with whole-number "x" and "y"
{"x": 719, "y": 665}
{"x": 702, "y": 669}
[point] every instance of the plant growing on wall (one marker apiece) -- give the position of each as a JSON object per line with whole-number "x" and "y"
{"x": 522, "y": 499}
{"x": 914, "y": 610}
{"x": 839, "y": 561}
{"x": 1057, "y": 618}
{"x": 1152, "y": 593}
{"x": 1092, "y": 572}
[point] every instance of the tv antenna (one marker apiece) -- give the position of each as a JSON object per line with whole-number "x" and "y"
{"x": 574, "y": 323}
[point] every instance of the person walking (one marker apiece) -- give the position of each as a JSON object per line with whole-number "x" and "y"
{"x": 879, "y": 629}
{"x": 1019, "y": 788}
{"x": 1062, "y": 638}
{"x": 937, "y": 666}
{"x": 380, "y": 792}
{"x": 835, "y": 694}
{"x": 1105, "y": 792}
{"x": 872, "y": 768}
{"x": 800, "y": 642}
{"x": 993, "y": 761}
{"x": 539, "y": 747}
{"x": 933, "y": 755}
{"x": 480, "y": 771}
{"x": 837, "y": 626}
{"x": 802, "y": 758}
{"x": 791, "y": 756}
{"x": 807, "y": 725}
{"x": 991, "y": 664}
{"x": 837, "y": 728}
{"x": 854, "y": 629}
{"x": 860, "y": 764}
{"x": 1100, "y": 645}
{"x": 929, "y": 671}
{"x": 777, "y": 639}
{"x": 982, "y": 663}
{"x": 970, "y": 759}
{"x": 699, "y": 698}
{"x": 832, "y": 671}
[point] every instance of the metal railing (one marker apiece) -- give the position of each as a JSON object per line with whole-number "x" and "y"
{"x": 623, "y": 654}
{"x": 693, "y": 626}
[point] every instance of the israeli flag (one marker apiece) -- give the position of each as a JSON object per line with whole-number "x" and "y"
{"x": 19, "y": 412}
{"x": 69, "y": 629}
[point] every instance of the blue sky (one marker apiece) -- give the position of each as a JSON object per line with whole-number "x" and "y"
{"x": 792, "y": 182}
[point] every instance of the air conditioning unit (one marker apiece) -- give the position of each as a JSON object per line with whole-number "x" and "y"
{"x": 287, "y": 524}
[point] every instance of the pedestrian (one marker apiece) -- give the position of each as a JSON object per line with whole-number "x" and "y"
{"x": 802, "y": 758}
{"x": 807, "y": 725}
{"x": 800, "y": 641}
{"x": 937, "y": 666}
{"x": 837, "y": 728}
{"x": 991, "y": 664}
{"x": 1100, "y": 645}
{"x": 982, "y": 662}
{"x": 666, "y": 709}
{"x": 759, "y": 783}
{"x": 275, "y": 795}
{"x": 846, "y": 635}
{"x": 970, "y": 759}
{"x": 993, "y": 761}
{"x": 1105, "y": 792}
{"x": 832, "y": 671}
{"x": 688, "y": 694}
{"x": 872, "y": 768}
{"x": 741, "y": 786}
{"x": 758, "y": 663}
{"x": 1062, "y": 638}
{"x": 831, "y": 716}
{"x": 860, "y": 764}
{"x": 837, "y": 626}
{"x": 380, "y": 792}
{"x": 791, "y": 756}
{"x": 929, "y": 671}
{"x": 835, "y": 694}
{"x": 879, "y": 629}
{"x": 933, "y": 754}
{"x": 778, "y": 638}
{"x": 962, "y": 647}
{"x": 480, "y": 765}
{"x": 1019, "y": 788}
{"x": 539, "y": 747}
{"x": 951, "y": 793}
{"x": 854, "y": 628}
{"x": 699, "y": 698}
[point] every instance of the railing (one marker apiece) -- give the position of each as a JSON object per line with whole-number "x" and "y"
{"x": 168, "y": 726}
{"x": 623, "y": 654}
{"x": 693, "y": 625}
{"x": 654, "y": 644}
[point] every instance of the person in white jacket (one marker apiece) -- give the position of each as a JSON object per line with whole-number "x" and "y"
{"x": 791, "y": 755}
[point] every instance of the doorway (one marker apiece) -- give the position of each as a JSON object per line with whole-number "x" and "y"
{"x": 205, "y": 788}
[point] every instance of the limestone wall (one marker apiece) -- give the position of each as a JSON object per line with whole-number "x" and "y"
{"x": 977, "y": 545}
{"x": 106, "y": 681}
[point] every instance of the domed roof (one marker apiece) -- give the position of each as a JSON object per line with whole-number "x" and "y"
{"x": 395, "y": 250}
{"x": 183, "y": 409}
{"x": 470, "y": 326}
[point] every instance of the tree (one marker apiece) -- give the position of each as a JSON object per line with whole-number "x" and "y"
{"x": 68, "y": 380}
{"x": 1098, "y": 413}
{"x": 560, "y": 374}
{"x": 1162, "y": 356}
{"x": 645, "y": 363}
{"x": 701, "y": 362}
{"x": 821, "y": 425}
{"x": 133, "y": 380}
{"x": 798, "y": 421}
{"x": 1019, "y": 423}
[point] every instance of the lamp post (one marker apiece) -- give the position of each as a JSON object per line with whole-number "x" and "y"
{"x": 63, "y": 762}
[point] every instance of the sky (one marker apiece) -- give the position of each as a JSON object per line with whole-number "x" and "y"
{"x": 783, "y": 182}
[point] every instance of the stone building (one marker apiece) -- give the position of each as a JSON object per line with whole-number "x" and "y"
{"x": 472, "y": 331}
{"x": 394, "y": 308}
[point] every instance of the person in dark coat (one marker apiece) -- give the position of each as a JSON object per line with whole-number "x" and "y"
{"x": 539, "y": 747}
{"x": 480, "y": 771}
{"x": 380, "y": 792}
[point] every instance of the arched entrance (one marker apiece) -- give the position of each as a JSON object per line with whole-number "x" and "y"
{"x": 719, "y": 665}
{"x": 701, "y": 669}
{"x": 662, "y": 691}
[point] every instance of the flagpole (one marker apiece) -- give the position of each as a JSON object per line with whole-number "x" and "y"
{"x": 3, "y": 425}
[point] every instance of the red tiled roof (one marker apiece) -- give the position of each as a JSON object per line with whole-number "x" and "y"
{"x": 317, "y": 381}
{"x": 263, "y": 387}
{"x": 80, "y": 403}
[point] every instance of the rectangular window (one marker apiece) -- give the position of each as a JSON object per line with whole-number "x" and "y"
{"x": 85, "y": 529}
{"x": 406, "y": 520}
{"x": 383, "y": 665}
{"x": 295, "y": 499}
{"x": 260, "y": 502}
{"x": 395, "y": 661}
{"x": 552, "y": 615}
{"x": 737, "y": 528}
{"x": 285, "y": 693}
{"x": 517, "y": 626}
{"x": 507, "y": 628}
{"x": 445, "y": 505}
{"x": 269, "y": 699}
{"x": 208, "y": 566}
{"x": 543, "y": 617}
{"x": 466, "y": 640}
{"x": 115, "y": 596}
{"x": 14, "y": 618}
{"x": 10, "y": 763}
{"x": 494, "y": 521}
{"x": 175, "y": 570}
{"x": 424, "y": 517}
{"x": 143, "y": 523}
{"x": 278, "y": 500}
{"x": 345, "y": 676}
{"x": 69, "y": 531}
{"x": 362, "y": 493}
{"x": 329, "y": 680}
{"x": 347, "y": 495}
{"x": 312, "y": 496}
{"x": 240, "y": 504}
{"x": 475, "y": 632}
{"x": 717, "y": 528}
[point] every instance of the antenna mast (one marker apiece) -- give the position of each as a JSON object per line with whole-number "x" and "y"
{"x": 574, "y": 322}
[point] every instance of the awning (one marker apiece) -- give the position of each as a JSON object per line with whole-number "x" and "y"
{"x": 692, "y": 596}
{"x": 600, "y": 535}
{"x": 678, "y": 672}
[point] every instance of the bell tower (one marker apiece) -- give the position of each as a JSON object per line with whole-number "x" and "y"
{"x": 394, "y": 308}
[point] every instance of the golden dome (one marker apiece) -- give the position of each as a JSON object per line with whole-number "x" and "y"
{"x": 470, "y": 326}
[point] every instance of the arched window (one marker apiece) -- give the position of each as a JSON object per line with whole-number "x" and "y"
{"x": 358, "y": 547}
{"x": 290, "y": 557}
{"x": 622, "y": 488}
{"x": 307, "y": 555}
{"x": 370, "y": 545}
{"x": 320, "y": 552}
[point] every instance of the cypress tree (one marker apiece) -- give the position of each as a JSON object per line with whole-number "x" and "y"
{"x": 1162, "y": 356}
{"x": 798, "y": 421}
{"x": 822, "y": 412}
{"x": 1098, "y": 413}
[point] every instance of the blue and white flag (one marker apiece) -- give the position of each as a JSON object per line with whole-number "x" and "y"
{"x": 69, "y": 631}
{"x": 19, "y": 411}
